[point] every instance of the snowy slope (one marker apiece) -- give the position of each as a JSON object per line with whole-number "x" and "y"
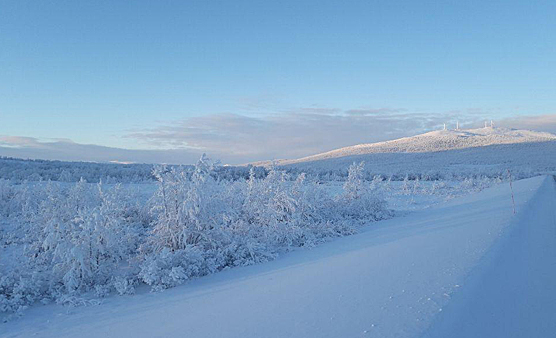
{"x": 461, "y": 152}
{"x": 441, "y": 140}
{"x": 397, "y": 279}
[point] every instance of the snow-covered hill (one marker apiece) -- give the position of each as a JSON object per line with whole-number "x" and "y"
{"x": 487, "y": 150}
{"x": 438, "y": 141}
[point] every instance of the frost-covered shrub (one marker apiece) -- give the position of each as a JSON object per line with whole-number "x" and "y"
{"x": 18, "y": 290}
{"x": 203, "y": 225}
{"x": 198, "y": 227}
{"x": 124, "y": 286}
{"x": 6, "y": 195}
{"x": 438, "y": 188}
{"x": 472, "y": 184}
{"x": 78, "y": 239}
{"x": 190, "y": 210}
{"x": 270, "y": 205}
{"x": 406, "y": 187}
{"x": 81, "y": 237}
{"x": 167, "y": 268}
{"x": 360, "y": 201}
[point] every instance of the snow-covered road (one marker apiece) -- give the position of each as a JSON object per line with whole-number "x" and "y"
{"x": 466, "y": 268}
{"x": 512, "y": 293}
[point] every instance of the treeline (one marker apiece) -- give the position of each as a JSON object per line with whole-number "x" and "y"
{"x": 20, "y": 170}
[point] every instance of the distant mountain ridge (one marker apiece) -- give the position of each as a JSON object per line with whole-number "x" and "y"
{"x": 440, "y": 154}
{"x": 434, "y": 141}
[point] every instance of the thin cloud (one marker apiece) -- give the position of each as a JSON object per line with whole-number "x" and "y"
{"x": 374, "y": 111}
{"x": 545, "y": 122}
{"x": 236, "y": 138}
{"x": 19, "y": 141}
{"x": 67, "y": 150}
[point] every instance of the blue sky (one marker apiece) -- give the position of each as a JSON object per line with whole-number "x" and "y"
{"x": 220, "y": 76}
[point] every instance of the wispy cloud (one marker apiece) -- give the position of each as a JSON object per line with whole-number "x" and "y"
{"x": 66, "y": 150}
{"x": 236, "y": 138}
{"x": 374, "y": 111}
{"x": 545, "y": 122}
{"x": 19, "y": 141}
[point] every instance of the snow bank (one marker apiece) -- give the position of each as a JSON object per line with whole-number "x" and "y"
{"x": 512, "y": 293}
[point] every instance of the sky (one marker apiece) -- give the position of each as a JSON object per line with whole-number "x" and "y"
{"x": 164, "y": 81}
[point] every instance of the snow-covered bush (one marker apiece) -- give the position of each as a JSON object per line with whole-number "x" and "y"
{"x": 76, "y": 240}
{"x": 80, "y": 238}
{"x": 203, "y": 224}
{"x": 19, "y": 290}
{"x": 360, "y": 201}
{"x": 473, "y": 184}
{"x": 6, "y": 195}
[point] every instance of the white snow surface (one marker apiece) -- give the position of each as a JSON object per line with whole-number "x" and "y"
{"x": 440, "y": 140}
{"x": 468, "y": 268}
{"x": 461, "y": 152}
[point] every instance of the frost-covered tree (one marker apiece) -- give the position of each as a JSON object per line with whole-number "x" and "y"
{"x": 355, "y": 187}
{"x": 190, "y": 213}
{"x": 359, "y": 201}
{"x": 188, "y": 207}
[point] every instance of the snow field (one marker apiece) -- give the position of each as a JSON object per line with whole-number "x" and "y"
{"x": 397, "y": 279}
